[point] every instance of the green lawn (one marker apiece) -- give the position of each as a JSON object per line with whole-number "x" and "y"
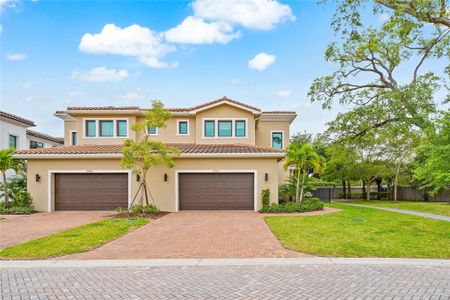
{"x": 75, "y": 240}
{"x": 363, "y": 232}
{"x": 438, "y": 208}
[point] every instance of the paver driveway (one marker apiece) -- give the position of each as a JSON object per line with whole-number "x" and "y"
{"x": 196, "y": 234}
{"x": 19, "y": 229}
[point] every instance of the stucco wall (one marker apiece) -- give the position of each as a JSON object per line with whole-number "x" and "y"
{"x": 264, "y": 132}
{"x": 169, "y": 134}
{"x": 163, "y": 192}
{"x": 69, "y": 125}
{"x": 10, "y": 128}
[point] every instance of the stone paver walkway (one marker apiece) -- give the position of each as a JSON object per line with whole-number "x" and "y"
{"x": 196, "y": 234}
{"x": 403, "y": 211}
{"x": 229, "y": 282}
{"x": 19, "y": 229}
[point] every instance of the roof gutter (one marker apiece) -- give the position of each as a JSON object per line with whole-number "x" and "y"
{"x": 119, "y": 155}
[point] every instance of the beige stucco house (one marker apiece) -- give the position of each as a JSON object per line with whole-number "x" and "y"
{"x": 229, "y": 153}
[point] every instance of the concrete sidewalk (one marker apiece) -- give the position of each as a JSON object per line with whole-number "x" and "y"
{"x": 402, "y": 211}
{"x": 221, "y": 262}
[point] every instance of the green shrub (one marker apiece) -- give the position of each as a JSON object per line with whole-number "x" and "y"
{"x": 15, "y": 210}
{"x": 308, "y": 204}
{"x": 139, "y": 210}
{"x": 265, "y": 195}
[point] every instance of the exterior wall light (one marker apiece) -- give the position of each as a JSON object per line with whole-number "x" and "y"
{"x": 38, "y": 178}
{"x": 266, "y": 177}
{"x": 138, "y": 178}
{"x": 165, "y": 177}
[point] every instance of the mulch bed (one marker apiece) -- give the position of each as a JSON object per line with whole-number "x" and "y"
{"x": 150, "y": 216}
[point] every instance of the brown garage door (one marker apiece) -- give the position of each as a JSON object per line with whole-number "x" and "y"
{"x": 91, "y": 191}
{"x": 216, "y": 191}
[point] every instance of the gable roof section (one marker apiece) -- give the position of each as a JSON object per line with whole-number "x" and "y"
{"x": 44, "y": 136}
{"x": 224, "y": 100}
{"x": 186, "y": 150}
{"x": 16, "y": 118}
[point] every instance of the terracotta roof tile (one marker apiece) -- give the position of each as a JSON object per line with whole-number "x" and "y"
{"x": 45, "y": 136}
{"x": 16, "y": 118}
{"x": 278, "y": 112}
{"x": 103, "y": 108}
{"x": 183, "y": 147}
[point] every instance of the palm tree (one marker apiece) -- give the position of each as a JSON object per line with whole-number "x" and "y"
{"x": 8, "y": 162}
{"x": 305, "y": 160}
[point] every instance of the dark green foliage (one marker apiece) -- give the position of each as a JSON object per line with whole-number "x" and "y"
{"x": 15, "y": 210}
{"x": 308, "y": 204}
{"x": 265, "y": 196}
{"x": 139, "y": 210}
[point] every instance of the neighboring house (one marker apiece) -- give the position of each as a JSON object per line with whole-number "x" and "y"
{"x": 229, "y": 153}
{"x": 14, "y": 133}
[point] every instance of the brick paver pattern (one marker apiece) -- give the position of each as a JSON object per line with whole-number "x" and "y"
{"x": 230, "y": 282}
{"x": 403, "y": 211}
{"x": 19, "y": 229}
{"x": 196, "y": 234}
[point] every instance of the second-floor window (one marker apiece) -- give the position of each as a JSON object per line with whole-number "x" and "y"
{"x": 13, "y": 141}
{"x": 90, "y": 128}
{"x": 106, "y": 128}
{"x": 277, "y": 139}
{"x": 112, "y": 128}
{"x": 183, "y": 128}
{"x": 73, "y": 138}
{"x": 222, "y": 128}
{"x": 36, "y": 145}
{"x": 153, "y": 130}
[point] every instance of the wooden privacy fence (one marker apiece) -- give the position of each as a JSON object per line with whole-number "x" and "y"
{"x": 408, "y": 193}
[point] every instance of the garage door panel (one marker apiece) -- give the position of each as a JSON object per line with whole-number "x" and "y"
{"x": 208, "y": 191}
{"x": 105, "y": 191}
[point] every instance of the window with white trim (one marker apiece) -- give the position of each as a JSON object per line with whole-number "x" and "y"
{"x": 73, "y": 138}
{"x": 183, "y": 127}
{"x": 104, "y": 128}
{"x": 277, "y": 139}
{"x": 225, "y": 128}
{"x": 152, "y": 131}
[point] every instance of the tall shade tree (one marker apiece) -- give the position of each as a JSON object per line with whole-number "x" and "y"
{"x": 306, "y": 161}
{"x": 368, "y": 61}
{"x": 8, "y": 162}
{"x": 140, "y": 156}
{"x": 432, "y": 163}
{"x": 398, "y": 151}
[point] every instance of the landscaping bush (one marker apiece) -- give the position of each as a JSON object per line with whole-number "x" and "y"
{"x": 139, "y": 210}
{"x": 265, "y": 195}
{"x": 15, "y": 210}
{"x": 309, "y": 204}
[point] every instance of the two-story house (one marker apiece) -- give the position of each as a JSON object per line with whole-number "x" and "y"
{"x": 229, "y": 153}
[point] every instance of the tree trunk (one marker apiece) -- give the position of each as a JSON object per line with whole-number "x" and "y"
{"x": 5, "y": 186}
{"x": 363, "y": 188}
{"x": 379, "y": 187}
{"x": 303, "y": 186}
{"x": 368, "y": 190}
{"x": 344, "y": 192}
{"x": 349, "y": 183}
{"x": 297, "y": 190}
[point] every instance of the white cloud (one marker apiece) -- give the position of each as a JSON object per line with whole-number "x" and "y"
{"x": 25, "y": 85}
{"x": 134, "y": 40}
{"x": 285, "y": 93}
{"x": 101, "y": 74}
{"x": 261, "y": 61}
{"x": 16, "y": 56}
{"x": 7, "y": 4}
{"x": 195, "y": 30}
{"x": 254, "y": 14}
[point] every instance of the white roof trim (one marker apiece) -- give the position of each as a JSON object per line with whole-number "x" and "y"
{"x": 119, "y": 155}
{"x": 225, "y": 101}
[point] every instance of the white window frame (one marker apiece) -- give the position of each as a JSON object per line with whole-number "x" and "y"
{"x": 233, "y": 128}
{"x": 97, "y": 128}
{"x": 282, "y": 138}
{"x": 70, "y": 137}
{"x": 178, "y": 128}
{"x": 147, "y": 132}
{"x": 255, "y": 183}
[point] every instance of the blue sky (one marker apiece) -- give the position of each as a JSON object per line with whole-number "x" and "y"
{"x": 73, "y": 53}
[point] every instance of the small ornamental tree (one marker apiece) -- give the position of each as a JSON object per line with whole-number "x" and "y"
{"x": 8, "y": 162}
{"x": 305, "y": 160}
{"x": 141, "y": 155}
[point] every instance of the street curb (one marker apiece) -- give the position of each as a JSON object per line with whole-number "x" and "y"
{"x": 11, "y": 264}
